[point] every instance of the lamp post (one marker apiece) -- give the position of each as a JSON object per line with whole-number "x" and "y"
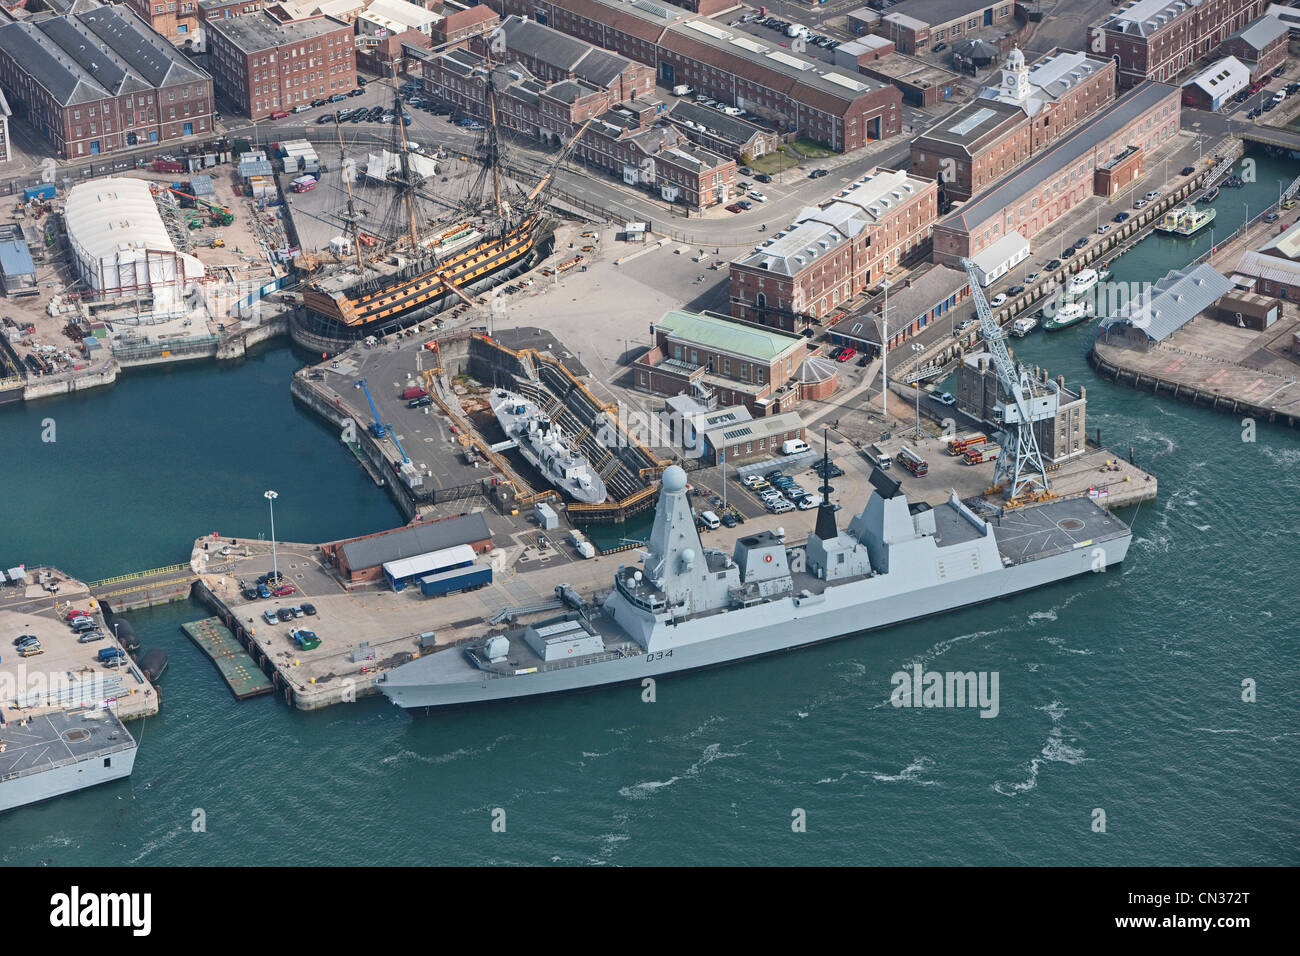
{"x": 884, "y": 354}
{"x": 270, "y": 496}
{"x": 916, "y": 386}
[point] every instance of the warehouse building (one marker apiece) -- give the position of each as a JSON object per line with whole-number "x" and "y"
{"x": 265, "y": 67}
{"x": 100, "y": 80}
{"x": 722, "y": 133}
{"x": 721, "y": 362}
{"x": 17, "y": 270}
{"x": 1156, "y": 313}
{"x": 1216, "y": 85}
{"x": 832, "y": 252}
{"x": 361, "y": 560}
{"x": 928, "y": 294}
{"x": 1032, "y": 107}
{"x": 120, "y": 246}
{"x": 980, "y": 391}
{"x": 552, "y": 56}
{"x": 1049, "y": 186}
{"x": 1261, "y": 45}
{"x": 755, "y": 440}
{"x": 788, "y": 91}
{"x": 1158, "y": 39}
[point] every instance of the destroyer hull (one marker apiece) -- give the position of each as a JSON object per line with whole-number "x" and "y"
{"x": 841, "y": 611}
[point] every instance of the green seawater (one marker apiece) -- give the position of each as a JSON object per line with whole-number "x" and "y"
{"x": 1121, "y": 692}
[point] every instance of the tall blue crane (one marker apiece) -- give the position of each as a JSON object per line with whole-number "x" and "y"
{"x": 376, "y": 427}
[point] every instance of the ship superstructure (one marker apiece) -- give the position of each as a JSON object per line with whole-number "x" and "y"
{"x": 547, "y": 448}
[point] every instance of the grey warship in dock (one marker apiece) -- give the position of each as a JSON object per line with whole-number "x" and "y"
{"x": 545, "y": 446}
{"x": 688, "y": 606}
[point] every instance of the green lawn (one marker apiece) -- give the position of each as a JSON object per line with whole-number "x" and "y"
{"x": 812, "y": 150}
{"x": 773, "y": 163}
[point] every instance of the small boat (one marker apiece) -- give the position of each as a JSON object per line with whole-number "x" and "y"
{"x": 1081, "y": 282}
{"x": 1210, "y": 194}
{"x": 1103, "y": 275}
{"x": 1023, "y": 326}
{"x": 1072, "y": 313}
{"x": 1185, "y": 221}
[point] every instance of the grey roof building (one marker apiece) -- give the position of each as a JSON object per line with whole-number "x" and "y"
{"x": 1157, "y": 313}
{"x": 60, "y": 69}
{"x": 359, "y": 555}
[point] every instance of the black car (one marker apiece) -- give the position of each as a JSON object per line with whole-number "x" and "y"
{"x": 308, "y": 609}
{"x": 326, "y": 118}
{"x": 357, "y": 92}
{"x": 763, "y": 178}
{"x": 1187, "y": 170}
{"x": 728, "y": 519}
{"x": 270, "y": 578}
{"x": 1053, "y": 265}
{"x": 361, "y": 81}
{"x": 940, "y": 47}
{"x": 1069, "y": 251}
{"x": 1280, "y": 70}
{"x": 24, "y": 639}
{"x": 817, "y": 174}
{"x": 419, "y": 402}
{"x": 864, "y": 361}
{"x": 284, "y": 614}
{"x": 1255, "y": 112}
{"x": 1080, "y": 243}
{"x": 248, "y": 594}
{"x": 1270, "y": 105}
{"x": 1016, "y": 290}
{"x": 317, "y": 104}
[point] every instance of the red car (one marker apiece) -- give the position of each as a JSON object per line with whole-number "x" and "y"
{"x": 735, "y": 207}
{"x": 279, "y": 114}
{"x": 284, "y": 590}
{"x": 847, "y": 354}
{"x": 73, "y": 615}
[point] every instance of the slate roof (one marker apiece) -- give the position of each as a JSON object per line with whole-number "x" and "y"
{"x": 1172, "y": 302}
{"x": 95, "y": 54}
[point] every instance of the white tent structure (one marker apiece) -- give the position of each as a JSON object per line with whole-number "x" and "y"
{"x": 120, "y": 245}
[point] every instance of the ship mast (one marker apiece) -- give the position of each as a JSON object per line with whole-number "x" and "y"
{"x": 406, "y": 185}
{"x": 350, "y": 217}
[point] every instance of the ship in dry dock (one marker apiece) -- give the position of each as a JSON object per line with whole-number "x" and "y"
{"x": 419, "y": 265}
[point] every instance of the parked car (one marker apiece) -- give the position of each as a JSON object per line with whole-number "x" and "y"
{"x": 1187, "y": 170}
{"x": 269, "y": 616}
{"x": 847, "y": 354}
{"x": 297, "y": 610}
{"x": 308, "y": 609}
{"x": 284, "y": 590}
{"x": 1031, "y": 277}
{"x": 1152, "y": 195}
{"x": 1103, "y": 229}
{"x": 817, "y": 174}
{"x": 1140, "y": 204}
{"x": 1081, "y": 242}
{"x": 26, "y": 640}
{"x": 940, "y": 47}
{"x": 1016, "y": 290}
{"x": 735, "y": 207}
{"x": 90, "y": 637}
{"x": 356, "y": 93}
{"x": 757, "y": 196}
{"x": 263, "y": 591}
{"x": 1271, "y": 217}
{"x": 1053, "y": 265}
{"x": 72, "y": 615}
{"x": 420, "y": 402}
{"x": 1121, "y": 216}
{"x": 749, "y": 481}
{"x": 284, "y": 614}
{"x": 763, "y": 178}
{"x": 279, "y": 114}
{"x": 745, "y": 205}
{"x": 338, "y": 97}
{"x": 1067, "y": 252}
{"x": 728, "y": 519}
{"x": 998, "y": 299}
{"x": 327, "y": 118}
{"x": 945, "y": 398}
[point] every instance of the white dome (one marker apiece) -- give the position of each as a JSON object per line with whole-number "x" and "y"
{"x": 674, "y": 478}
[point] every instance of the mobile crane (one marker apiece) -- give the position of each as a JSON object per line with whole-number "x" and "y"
{"x": 376, "y": 427}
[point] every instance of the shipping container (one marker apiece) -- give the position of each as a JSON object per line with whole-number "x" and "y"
{"x": 458, "y": 579}
{"x": 43, "y": 191}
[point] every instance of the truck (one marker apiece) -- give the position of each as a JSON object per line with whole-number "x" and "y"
{"x": 107, "y": 654}
{"x": 878, "y": 457}
{"x": 982, "y": 453}
{"x": 794, "y": 446}
{"x": 303, "y": 183}
{"x": 913, "y": 462}
{"x": 682, "y": 89}
{"x": 414, "y": 391}
{"x": 964, "y": 443}
{"x": 471, "y": 577}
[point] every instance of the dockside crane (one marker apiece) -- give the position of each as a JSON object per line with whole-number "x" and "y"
{"x": 1020, "y": 467}
{"x": 376, "y": 427}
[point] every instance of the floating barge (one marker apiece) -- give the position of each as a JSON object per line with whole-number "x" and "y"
{"x": 239, "y": 670}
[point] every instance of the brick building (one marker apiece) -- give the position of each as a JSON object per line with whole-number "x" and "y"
{"x": 928, "y": 294}
{"x": 727, "y": 135}
{"x": 834, "y": 251}
{"x": 790, "y": 92}
{"x": 1261, "y": 45}
{"x": 627, "y": 140}
{"x": 979, "y": 391}
{"x": 919, "y": 25}
{"x": 720, "y": 362}
{"x": 101, "y": 80}
{"x": 177, "y": 20}
{"x": 552, "y": 56}
{"x": 265, "y": 67}
{"x": 1158, "y": 39}
{"x": 1031, "y": 108}
{"x": 1061, "y": 177}
{"x": 461, "y": 26}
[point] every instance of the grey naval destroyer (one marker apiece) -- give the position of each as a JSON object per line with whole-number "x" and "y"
{"x": 544, "y": 444}
{"x": 688, "y": 606}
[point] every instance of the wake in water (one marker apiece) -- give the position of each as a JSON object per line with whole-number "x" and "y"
{"x": 1055, "y": 750}
{"x": 648, "y": 788}
{"x": 912, "y": 773}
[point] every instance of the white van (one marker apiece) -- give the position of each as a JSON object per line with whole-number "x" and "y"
{"x": 710, "y": 520}
{"x": 796, "y": 30}
{"x": 795, "y": 446}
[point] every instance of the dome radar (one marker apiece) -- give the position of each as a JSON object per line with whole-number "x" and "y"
{"x": 674, "y": 478}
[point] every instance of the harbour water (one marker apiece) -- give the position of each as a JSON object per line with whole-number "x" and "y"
{"x": 1120, "y": 693}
